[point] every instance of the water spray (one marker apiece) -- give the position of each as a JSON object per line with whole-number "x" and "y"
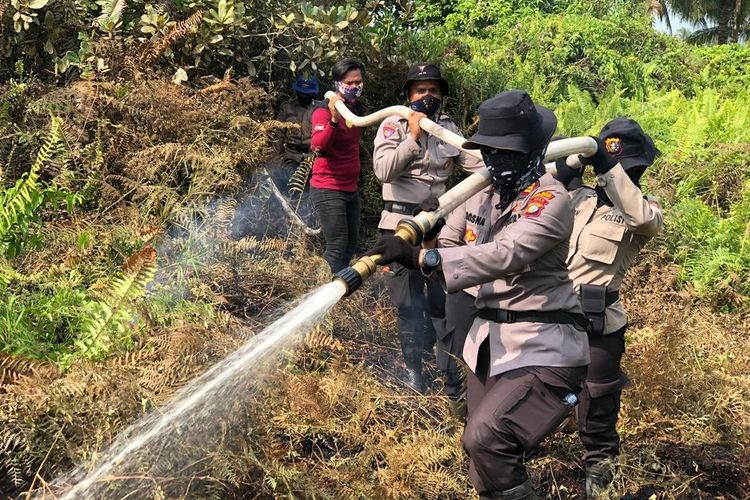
{"x": 412, "y": 230}
{"x": 177, "y": 433}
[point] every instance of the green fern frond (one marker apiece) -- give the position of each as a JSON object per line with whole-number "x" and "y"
{"x": 108, "y": 317}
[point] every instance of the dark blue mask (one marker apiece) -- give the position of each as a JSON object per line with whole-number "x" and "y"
{"x": 429, "y": 105}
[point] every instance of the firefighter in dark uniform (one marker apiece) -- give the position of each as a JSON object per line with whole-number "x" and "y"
{"x": 527, "y": 349}
{"x": 413, "y": 167}
{"x": 613, "y": 221}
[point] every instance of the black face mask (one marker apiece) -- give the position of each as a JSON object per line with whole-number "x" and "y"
{"x": 304, "y": 99}
{"x": 512, "y": 172}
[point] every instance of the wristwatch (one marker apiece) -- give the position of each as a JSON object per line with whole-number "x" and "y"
{"x": 431, "y": 260}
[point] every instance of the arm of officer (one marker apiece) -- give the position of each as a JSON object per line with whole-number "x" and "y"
{"x": 306, "y": 126}
{"x": 537, "y": 231}
{"x": 323, "y": 131}
{"x": 642, "y": 216}
{"x": 452, "y": 234}
{"x": 394, "y": 150}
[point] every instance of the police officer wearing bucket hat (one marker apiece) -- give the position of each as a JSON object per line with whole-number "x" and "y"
{"x": 613, "y": 222}
{"x": 527, "y": 349}
{"x": 414, "y": 167}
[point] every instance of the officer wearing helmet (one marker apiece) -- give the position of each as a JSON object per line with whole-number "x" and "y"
{"x": 612, "y": 224}
{"x": 414, "y": 167}
{"x": 527, "y": 349}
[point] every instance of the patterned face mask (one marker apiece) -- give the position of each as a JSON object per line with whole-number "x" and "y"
{"x": 429, "y": 105}
{"x": 512, "y": 172}
{"x": 350, "y": 93}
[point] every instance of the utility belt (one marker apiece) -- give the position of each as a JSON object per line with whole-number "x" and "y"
{"x": 595, "y": 299}
{"x": 554, "y": 317}
{"x": 401, "y": 208}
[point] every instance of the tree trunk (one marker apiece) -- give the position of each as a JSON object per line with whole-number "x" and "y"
{"x": 724, "y": 22}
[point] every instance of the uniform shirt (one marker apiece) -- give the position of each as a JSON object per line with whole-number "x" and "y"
{"x": 518, "y": 258}
{"x": 411, "y": 171}
{"x": 336, "y": 149}
{"x": 606, "y": 240}
{"x": 297, "y": 140}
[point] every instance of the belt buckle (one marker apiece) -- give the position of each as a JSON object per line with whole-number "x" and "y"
{"x": 510, "y": 316}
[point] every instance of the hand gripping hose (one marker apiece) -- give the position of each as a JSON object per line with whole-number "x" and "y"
{"x": 412, "y": 230}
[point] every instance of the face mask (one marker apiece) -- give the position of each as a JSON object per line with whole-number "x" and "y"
{"x": 429, "y": 105}
{"x": 304, "y": 99}
{"x": 512, "y": 172}
{"x": 350, "y": 93}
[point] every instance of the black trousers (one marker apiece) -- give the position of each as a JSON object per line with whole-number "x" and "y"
{"x": 421, "y": 310}
{"x": 339, "y": 214}
{"x": 600, "y": 399}
{"x": 459, "y": 316}
{"x": 509, "y": 415}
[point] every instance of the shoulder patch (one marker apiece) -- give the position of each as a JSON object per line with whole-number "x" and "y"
{"x": 388, "y": 130}
{"x": 470, "y": 236}
{"x": 531, "y": 187}
{"x": 537, "y": 203}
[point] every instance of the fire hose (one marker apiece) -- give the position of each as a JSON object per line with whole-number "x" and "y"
{"x": 413, "y": 229}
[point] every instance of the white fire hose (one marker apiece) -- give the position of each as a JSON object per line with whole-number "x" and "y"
{"x": 413, "y": 230}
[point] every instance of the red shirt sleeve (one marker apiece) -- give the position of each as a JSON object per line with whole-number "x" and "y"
{"x": 322, "y": 130}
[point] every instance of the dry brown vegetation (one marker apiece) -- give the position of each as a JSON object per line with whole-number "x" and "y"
{"x": 172, "y": 169}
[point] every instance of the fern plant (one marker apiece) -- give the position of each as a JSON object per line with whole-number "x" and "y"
{"x": 107, "y": 321}
{"x": 20, "y": 204}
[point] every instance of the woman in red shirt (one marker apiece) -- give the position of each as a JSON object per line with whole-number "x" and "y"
{"x": 335, "y": 175}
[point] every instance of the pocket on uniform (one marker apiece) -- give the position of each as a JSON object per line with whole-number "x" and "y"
{"x": 398, "y": 284}
{"x": 602, "y": 242}
{"x": 535, "y": 413}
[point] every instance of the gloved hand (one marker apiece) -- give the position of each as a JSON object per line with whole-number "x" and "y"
{"x": 394, "y": 249}
{"x": 433, "y": 233}
{"x": 602, "y": 161}
{"x": 570, "y": 177}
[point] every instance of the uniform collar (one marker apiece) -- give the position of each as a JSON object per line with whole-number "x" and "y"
{"x": 441, "y": 118}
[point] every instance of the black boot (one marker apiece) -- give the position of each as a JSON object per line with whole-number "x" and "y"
{"x": 415, "y": 379}
{"x": 598, "y": 478}
{"x": 411, "y": 346}
{"x": 523, "y": 491}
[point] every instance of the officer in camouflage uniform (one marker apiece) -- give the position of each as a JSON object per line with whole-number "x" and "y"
{"x": 613, "y": 221}
{"x": 527, "y": 350}
{"x": 413, "y": 167}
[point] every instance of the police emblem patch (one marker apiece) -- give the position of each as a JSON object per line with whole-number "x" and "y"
{"x": 388, "y": 130}
{"x": 613, "y": 145}
{"x": 470, "y": 236}
{"x": 537, "y": 203}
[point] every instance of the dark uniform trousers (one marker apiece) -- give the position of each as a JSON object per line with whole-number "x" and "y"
{"x": 421, "y": 309}
{"x": 600, "y": 399}
{"x": 509, "y": 415}
{"x": 460, "y": 312}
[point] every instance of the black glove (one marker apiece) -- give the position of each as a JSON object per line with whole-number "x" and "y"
{"x": 433, "y": 233}
{"x": 602, "y": 161}
{"x": 570, "y": 177}
{"x": 394, "y": 249}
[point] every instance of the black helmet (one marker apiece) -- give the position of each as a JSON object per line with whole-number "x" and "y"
{"x": 512, "y": 121}
{"x": 421, "y": 72}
